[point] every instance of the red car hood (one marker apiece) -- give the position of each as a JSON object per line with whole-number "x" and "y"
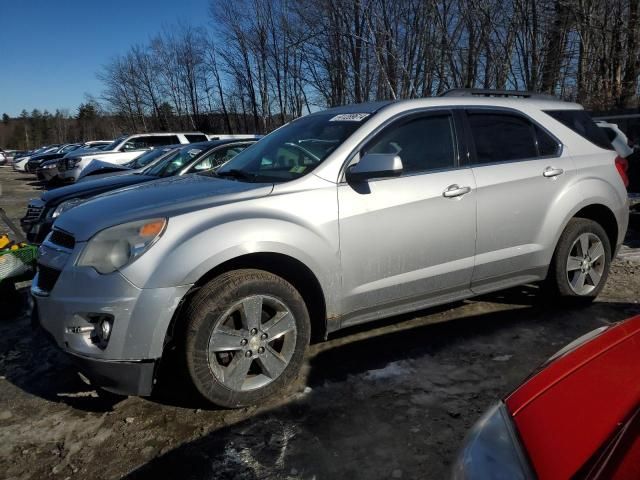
{"x": 568, "y": 410}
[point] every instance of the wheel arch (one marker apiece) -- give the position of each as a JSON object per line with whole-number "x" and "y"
{"x": 290, "y": 269}
{"x": 602, "y": 215}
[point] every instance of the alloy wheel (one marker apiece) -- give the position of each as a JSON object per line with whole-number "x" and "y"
{"x": 586, "y": 263}
{"x": 252, "y": 343}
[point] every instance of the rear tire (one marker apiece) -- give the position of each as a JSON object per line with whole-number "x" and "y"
{"x": 246, "y": 335}
{"x": 580, "y": 264}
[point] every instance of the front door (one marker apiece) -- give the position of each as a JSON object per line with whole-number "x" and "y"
{"x": 403, "y": 240}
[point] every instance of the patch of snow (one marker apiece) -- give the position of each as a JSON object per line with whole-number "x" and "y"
{"x": 393, "y": 369}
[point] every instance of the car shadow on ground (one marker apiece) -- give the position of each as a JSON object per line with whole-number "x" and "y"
{"x": 397, "y": 400}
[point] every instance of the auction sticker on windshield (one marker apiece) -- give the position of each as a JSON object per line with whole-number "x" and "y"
{"x": 349, "y": 117}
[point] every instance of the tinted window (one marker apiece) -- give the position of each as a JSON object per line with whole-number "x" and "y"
{"x": 196, "y": 138}
{"x": 161, "y": 140}
{"x": 547, "y": 145}
{"x": 580, "y": 122}
{"x": 423, "y": 144}
{"x": 502, "y": 137}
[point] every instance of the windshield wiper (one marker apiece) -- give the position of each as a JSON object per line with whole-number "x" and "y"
{"x": 235, "y": 173}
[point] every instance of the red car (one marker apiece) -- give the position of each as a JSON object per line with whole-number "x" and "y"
{"x": 578, "y": 417}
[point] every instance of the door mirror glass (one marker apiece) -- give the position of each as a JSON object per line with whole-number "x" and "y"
{"x": 375, "y": 165}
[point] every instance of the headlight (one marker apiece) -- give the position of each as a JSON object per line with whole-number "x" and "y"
{"x": 118, "y": 246}
{"x": 50, "y": 165}
{"x": 68, "y": 205}
{"x": 492, "y": 450}
{"x": 72, "y": 162}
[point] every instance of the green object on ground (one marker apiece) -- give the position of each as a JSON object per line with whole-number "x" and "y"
{"x": 16, "y": 263}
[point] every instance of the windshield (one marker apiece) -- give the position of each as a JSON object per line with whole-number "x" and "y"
{"x": 115, "y": 143}
{"x": 293, "y": 150}
{"x": 172, "y": 163}
{"x": 146, "y": 158}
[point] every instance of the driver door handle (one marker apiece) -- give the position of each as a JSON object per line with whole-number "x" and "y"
{"x": 552, "y": 172}
{"x": 455, "y": 191}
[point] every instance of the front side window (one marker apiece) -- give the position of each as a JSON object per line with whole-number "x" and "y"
{"x": 423, "y": 144}
{"x": 294, "y": 150}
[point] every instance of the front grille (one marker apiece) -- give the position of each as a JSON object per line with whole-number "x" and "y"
{"x": 33, "y": 213}
{"x": 47, "y": 278}
{"x": 63, "y": 239}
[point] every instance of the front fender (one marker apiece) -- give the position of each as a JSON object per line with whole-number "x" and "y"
{"x": 197, "y": 242}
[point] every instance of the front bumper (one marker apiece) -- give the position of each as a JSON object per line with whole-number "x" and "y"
{"x": 70, "y": 175}
{"x": 122, "y": 378}
{"x": 47, "y": 174}
{"x": 69, "y": 304}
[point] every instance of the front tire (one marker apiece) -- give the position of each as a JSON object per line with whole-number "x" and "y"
{"x": 581, "y": 262}
{"x": 246, "y": 335}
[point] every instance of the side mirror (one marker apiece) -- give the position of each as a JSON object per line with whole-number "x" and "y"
{"x": 375, "y": 165}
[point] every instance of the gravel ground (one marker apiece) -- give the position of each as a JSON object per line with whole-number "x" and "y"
{"x": 392, "y": 400}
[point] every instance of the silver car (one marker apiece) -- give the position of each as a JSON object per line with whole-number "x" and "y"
{"x": 340, "y": 217}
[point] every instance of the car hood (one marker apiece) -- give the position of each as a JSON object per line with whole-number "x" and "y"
{"x": 95, "y": 165}
{"x": 162, "y": 198}
{"x": 47, "y": 156}
{"x": 90, "y": 188}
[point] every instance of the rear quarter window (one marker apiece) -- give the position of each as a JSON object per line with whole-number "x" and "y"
{"x": 580, "y": 122}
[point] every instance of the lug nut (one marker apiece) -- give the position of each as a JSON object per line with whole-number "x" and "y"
{"x": 254, "y": 331}
{"x": 248, "y": 353}
{"x": 243, "y": 342}
{"x": 264, "y": 336}
{"x": 261, "y": 350}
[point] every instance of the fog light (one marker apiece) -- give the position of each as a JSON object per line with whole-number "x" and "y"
{"x": 102, "y": 326}
{"x": 105, "y": 326}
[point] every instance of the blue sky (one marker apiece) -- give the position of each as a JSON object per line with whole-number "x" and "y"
{"x": 50, "y": 50}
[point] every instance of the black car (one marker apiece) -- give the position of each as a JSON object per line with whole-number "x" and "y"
{"x": 37, "y": 160}
{"x": 190, "y": 158}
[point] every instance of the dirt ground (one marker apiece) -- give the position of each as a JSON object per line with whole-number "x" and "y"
{"x": 392, "y": 400}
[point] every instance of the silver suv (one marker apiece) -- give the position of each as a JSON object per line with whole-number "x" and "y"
{"x": 340, "y": 217}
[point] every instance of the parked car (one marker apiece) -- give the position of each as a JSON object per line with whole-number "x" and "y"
{"x": 122, "y": 150}
{"x": 174, "y": 161}
{"x": 3, "y": 157}
{"x": 37, "y": 160}
{"x": 617, "y": 138}
{"x": 338, "y": 218}
{"x": 99, "y": 169}
{"x": 48, "y": 170}
{"x": 577, "y": 417}
{"x": 20, "y": 164}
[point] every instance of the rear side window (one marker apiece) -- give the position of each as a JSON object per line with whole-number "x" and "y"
{"x": 423, "y": 144}
{"x": 161, "y": 140}
{"x": 580, "y": 122}
{"x": 197, "y": 137}
{"x": 502, "y": 137}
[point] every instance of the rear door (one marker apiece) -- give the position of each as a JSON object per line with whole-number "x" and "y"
{"x": 520, "y": 170}
{"x": 402, "y": 241}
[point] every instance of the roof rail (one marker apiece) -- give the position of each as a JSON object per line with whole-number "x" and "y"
{"x": 484, "y": 92}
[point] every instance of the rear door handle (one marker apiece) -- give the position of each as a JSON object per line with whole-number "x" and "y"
{"x": 552, "y": 172}
{"x": 455, "y": 191}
